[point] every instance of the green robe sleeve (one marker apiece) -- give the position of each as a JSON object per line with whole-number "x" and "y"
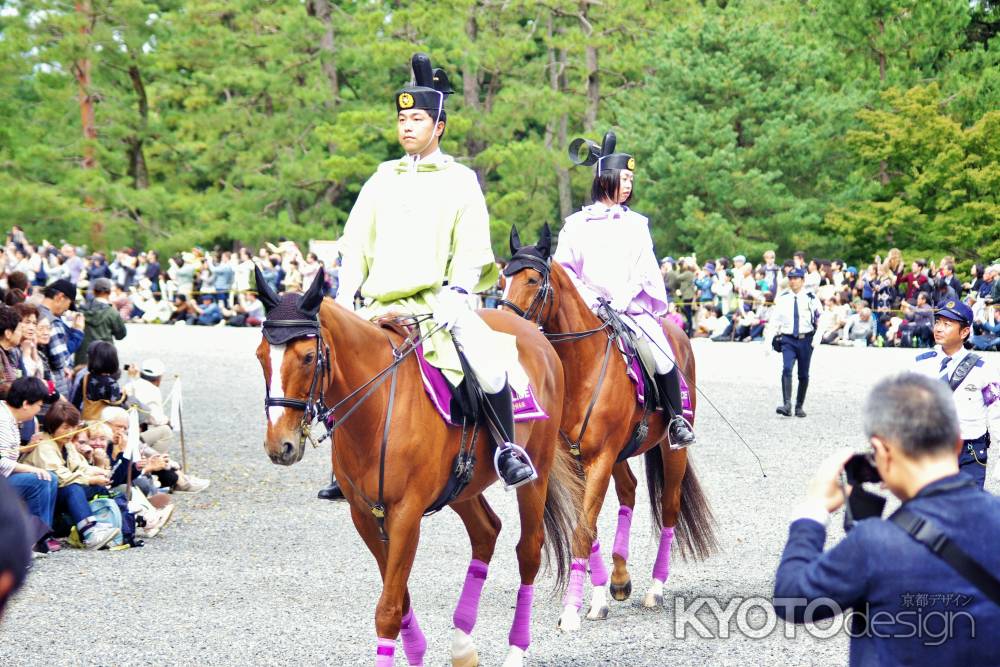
{"x": 471, "y": 250}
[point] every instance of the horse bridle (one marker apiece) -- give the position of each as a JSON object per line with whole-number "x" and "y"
{"x": 540, "y": 308}
{"x": 313, "y": 407}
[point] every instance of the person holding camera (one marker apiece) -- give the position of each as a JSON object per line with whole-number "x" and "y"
{"x": 973, "y": 380}
{"x": 940, "y": 545}
{"x": 795, "y": 314}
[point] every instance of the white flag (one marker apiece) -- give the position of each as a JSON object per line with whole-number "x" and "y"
{"x": 175, "y": 405}
{"x": 133, "y": 446}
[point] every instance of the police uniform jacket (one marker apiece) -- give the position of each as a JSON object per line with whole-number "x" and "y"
{"x": 783, "y": 313}
{"x": 895, "y": 582}
{"x": 977, "y": 399}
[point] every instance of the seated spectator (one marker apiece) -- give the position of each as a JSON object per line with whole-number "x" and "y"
{"x": 185, "y": 312}
{"x": 987, "y": 336}
{"x": 15, "y": 557}
{"x": 10, "y": 348}
{"x": 209, "y": 311}
{"x": 101, "y": 387}
{"x": 918, "y": 328}
{"x": 78, "y": 480}
{"x": 859, "y": 330}
{"x": 748, "y": 326}
{"x": 36, "y": 486}
{"x": 167, "y": 471}
{"x": 913, "y": 431}
{"x": 249, "y": 313}
{"x": 144, "y": 391}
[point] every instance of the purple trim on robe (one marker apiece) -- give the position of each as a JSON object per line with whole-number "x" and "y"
{"x": 526, "y": 408}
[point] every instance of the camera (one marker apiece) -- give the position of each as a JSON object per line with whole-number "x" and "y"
{"x": 860, "y": 468}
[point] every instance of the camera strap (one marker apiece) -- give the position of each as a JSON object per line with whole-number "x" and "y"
{"x": 928, "y": 534}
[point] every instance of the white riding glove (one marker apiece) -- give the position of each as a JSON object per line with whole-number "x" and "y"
{"x": 451, "y": 303}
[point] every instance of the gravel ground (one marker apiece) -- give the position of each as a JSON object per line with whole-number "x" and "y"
{"x": 255, "y": 570}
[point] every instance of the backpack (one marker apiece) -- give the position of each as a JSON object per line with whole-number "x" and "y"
{"x": 113, "y": 509}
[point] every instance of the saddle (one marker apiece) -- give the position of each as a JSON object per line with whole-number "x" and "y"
{"x": 638, "y": 357}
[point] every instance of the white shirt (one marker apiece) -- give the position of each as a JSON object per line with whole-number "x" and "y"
{"x": 784, "y": 311}
{"x": 977, "y": 399}
{"x": 149, "y": 398}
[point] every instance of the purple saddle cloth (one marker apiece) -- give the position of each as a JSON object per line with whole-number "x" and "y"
{"x": 526, "y": 408}
{"x": 638, "y": 380}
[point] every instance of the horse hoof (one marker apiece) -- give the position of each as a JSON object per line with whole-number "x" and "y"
{"x": 621, "y": 592}
{"x": 652, "y": 601}
{"x": 467, "y": 660}
{"x": 597, "y": 614}
{"x": 569, "y": 621}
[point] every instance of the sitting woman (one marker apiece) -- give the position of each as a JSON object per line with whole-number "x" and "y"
{"x": 100, "y": 388}
{"x": 78, "y": 480}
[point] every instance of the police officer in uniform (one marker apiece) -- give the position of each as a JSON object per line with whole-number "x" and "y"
{"x": 976, "y": 382}
{"x": 794, "y": 317}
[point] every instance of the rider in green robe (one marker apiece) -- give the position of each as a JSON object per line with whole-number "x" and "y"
{"x": 418, "y": 242}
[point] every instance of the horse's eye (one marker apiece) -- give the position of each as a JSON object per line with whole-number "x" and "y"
{"x": 308, "y": 359}
{"x": 532, "y": 281}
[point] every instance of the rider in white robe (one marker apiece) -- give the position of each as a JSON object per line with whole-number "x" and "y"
{"x": 608, "y": 252}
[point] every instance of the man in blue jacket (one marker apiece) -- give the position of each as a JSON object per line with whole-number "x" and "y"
{"x": 908, "y": 606}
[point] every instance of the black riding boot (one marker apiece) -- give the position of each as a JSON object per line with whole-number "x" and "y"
{"x": 786, "y": 395}
{"x": 679, "y": 431}
{"x": 512, "y": 463}
{"x": 331, "y": 492}
{"x": 800, "y": 398}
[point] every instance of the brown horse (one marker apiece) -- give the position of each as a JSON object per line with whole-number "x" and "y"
{"x": 327, "y": 353}
{"x": 600, "y": 415}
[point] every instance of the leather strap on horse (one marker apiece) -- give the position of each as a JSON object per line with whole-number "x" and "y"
{"x": 574, "y": 446}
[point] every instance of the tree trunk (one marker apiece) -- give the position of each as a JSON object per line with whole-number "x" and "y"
{"x": 471, "y": 93}
{"x": 137, "y": 159}
{"x": 557, "y": 82}
{"x": 81, "y": 70}
{"x": 883, "y": 166}
{"x": 321, "y": 9}
{"x": 593, "y": 89}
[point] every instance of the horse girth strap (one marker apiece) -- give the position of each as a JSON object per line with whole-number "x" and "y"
{"x": 574, "y": 446}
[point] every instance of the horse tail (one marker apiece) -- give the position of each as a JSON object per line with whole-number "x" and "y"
{"x": 654, "y": 484}
{"x": 696, "y": 524}
{"x": 696, "y": 527}
{"x": 562, "y": 513}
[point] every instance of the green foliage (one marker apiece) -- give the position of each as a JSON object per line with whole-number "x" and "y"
{"x": 841, "y": 126}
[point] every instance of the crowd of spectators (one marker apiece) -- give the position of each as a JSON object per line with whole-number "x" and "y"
{"x": 890, "y": 302}
{"x": 64, "y": 426}
{"x": 199, "y": 287}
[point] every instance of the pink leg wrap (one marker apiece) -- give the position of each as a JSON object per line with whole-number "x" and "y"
{"x": 598, "y": 572}
{"x": 574, "y": 592}
{"x": 384, "y": 652}
{"x": 520, "y": 631}
{"x": 622, "y": 534}
{"x": 414, "y": 642}
{"x": 468, "y": 602}
{"x": 661, "y": 568}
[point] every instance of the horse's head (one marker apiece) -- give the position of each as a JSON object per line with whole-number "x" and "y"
{"x": 295, "y": 359}
{"x": 529, "y": 290}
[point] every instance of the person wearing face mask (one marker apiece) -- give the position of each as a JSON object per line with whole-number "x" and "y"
{"x": 418, "y": 242}
{"x": 607, "y": 250}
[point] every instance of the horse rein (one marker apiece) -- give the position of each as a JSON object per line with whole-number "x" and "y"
{"x": 545, "y": 295}
{"x": 314, "y": 405}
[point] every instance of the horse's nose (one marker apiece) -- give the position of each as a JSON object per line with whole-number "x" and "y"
{"x": 287, "y": 450}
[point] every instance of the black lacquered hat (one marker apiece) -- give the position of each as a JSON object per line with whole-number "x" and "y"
{"x": 428, "y": 88}
{"x": 584, "y": 152}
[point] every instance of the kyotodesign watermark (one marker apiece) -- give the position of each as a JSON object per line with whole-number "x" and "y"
{"x": 931, "y": 618}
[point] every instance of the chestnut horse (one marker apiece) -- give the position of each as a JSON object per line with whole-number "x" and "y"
{"x": 600, "y": 416}
{"x": 333, "y": 353}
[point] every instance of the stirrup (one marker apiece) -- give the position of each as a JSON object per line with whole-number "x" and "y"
{"x": 670, "y": 424}
{"x": 523, "y": 455}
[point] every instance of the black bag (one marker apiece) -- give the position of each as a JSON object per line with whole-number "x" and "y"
{"x": 776, "y": 343}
